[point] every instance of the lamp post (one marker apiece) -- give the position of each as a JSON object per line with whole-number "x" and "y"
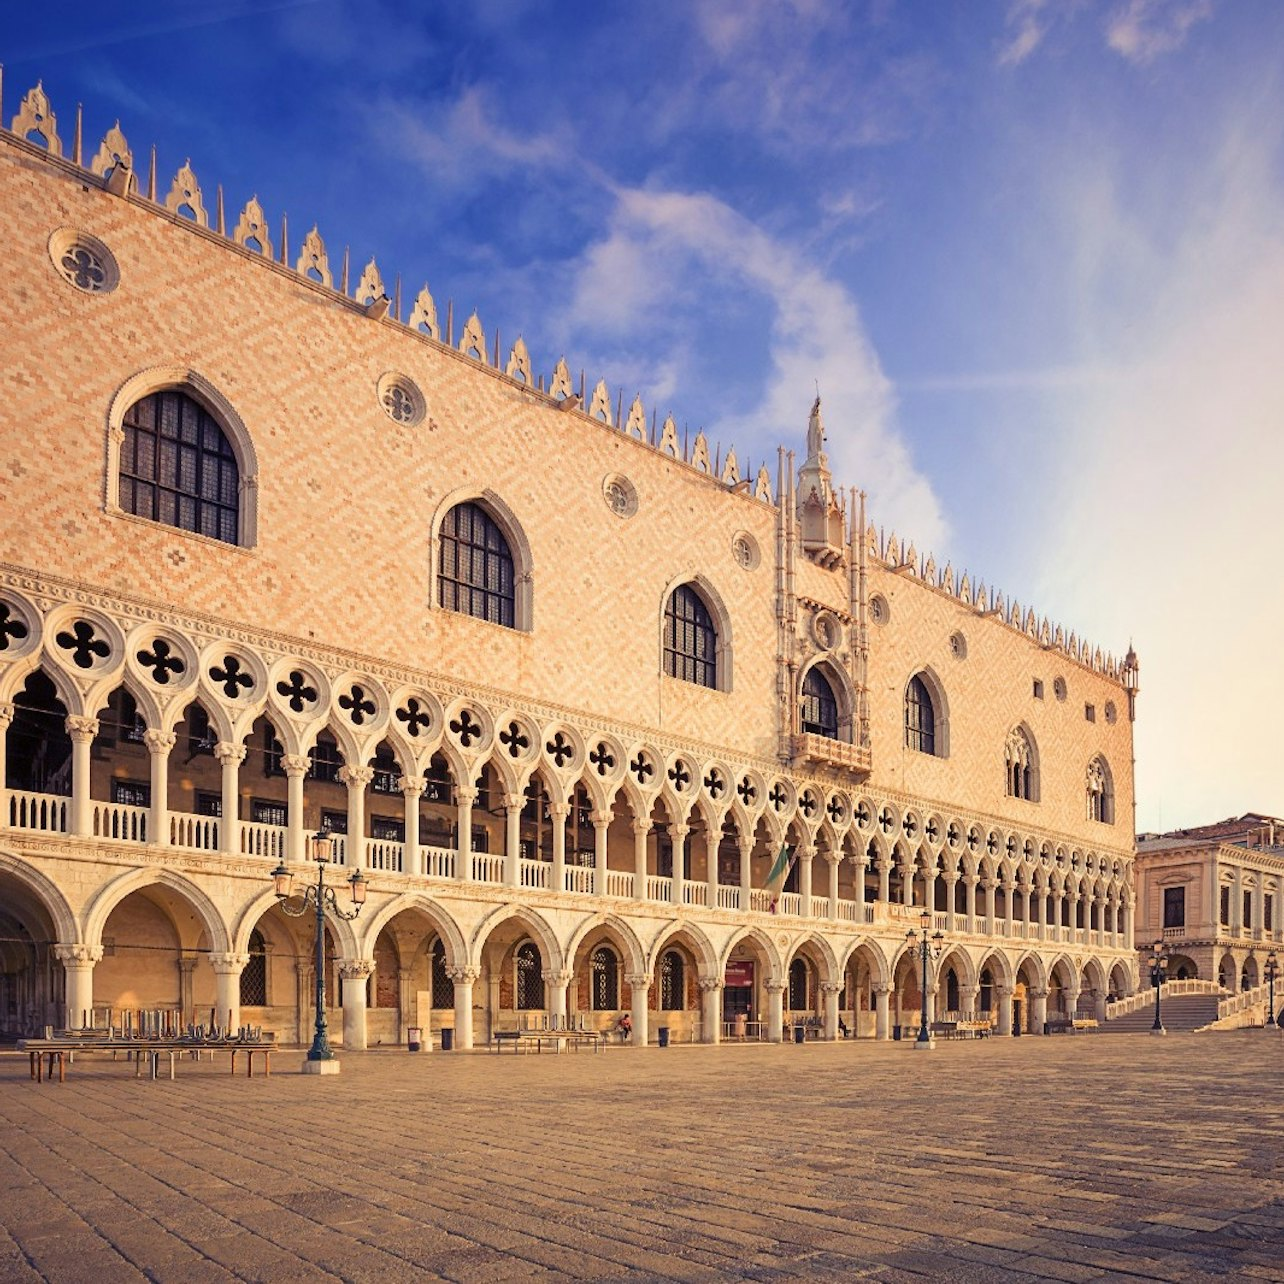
{"x": 320, "y": 1058}
{"x": 1158, "y": 970}
{"x": 928, "y": 947}
{"x": 1271, "y": 971}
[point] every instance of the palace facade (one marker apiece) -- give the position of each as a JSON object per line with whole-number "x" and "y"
{"x": 280, "y": 556}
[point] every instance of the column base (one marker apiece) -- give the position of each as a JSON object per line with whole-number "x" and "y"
{"x": 1159, "y": 1031}
{"x": 320, "y": 1067}
{"x": 924, "y": 1045}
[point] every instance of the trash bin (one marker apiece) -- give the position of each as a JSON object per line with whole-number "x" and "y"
{"x": 414, "y": 1038}
{"x": 800, "y": 1033}
{"x": 896, "y": 1033}
{"x": 664, "y": 1036}
{"x": 447, "y": 1039}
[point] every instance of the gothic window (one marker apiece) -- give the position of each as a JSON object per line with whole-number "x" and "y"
{"x": 177, "y": 467}
{"x": 987, "y": 991}
{"x": 1224, "y": 917}
{"x": 273, "y": 753}
{"x": 208, "y": 803}
{"x": 254, "y": 974}
{"x": 326, "y": 759}
{"x": 334, "y": 822}
{"x": 201, "y": 737}
{"x": 122, "y": 722}
{"x": 476, "y": 576}
{"x": 1019, "y": 766}
{"x": 388, "y": 829}
{"x": 530, "y": 978}
{"x": 951, "y": 991}
{"x": 387, "y": 774}
{"x": 443, "y": 988}
{"x": 39, "y": 748}
{"x": 672, "y": 982}
{"x": 819, "y": 708}
{"x": 1100, "y": 792}
{"x": 798, "y": 986}
{"x": 920, "y": 717}
{"x": 690, "y": 639}
{"x": 606, "y": 980}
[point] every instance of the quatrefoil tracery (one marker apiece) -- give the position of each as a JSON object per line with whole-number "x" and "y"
{"x": 747, "y": 792}
{"x": 162, "y": 661}
{"x": 298, "y": 693}
{"x": 83, "y": 646}
{"x": 514, "y": 739}
{"x": 358, "y": 704}
{"x": 415, "y": 717}
{"x": 641, "y": 768}
{"x": 559, "y": 749}
{"x": 10, "y": 626}
{"x": 602, "y": 758}
{"x": 679, "y": 776}
{"x": 466, "y": 727}
{"x": 232, "y": 677}
{"x": 714, "y": 783}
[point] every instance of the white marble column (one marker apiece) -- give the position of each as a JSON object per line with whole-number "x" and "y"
{"x": 6, "y": 717}
{"x": 907, "y": 882}
{"x": 159, "y": 744}
{"x": 295, "y": 767}
{"x": 639, "y": 987}
{"x": 354, "y": 973}
{"x": 230, "y": 756}
{"x": 775, "y": 1011}
{"x": 357, "y": 779}
{"x": 951, "y": 882}
{"x": 882, "y": 1012}
{"x": 971, "y": 880}
{"x": 641, "y": 829}
{"x": 82, "y": 732}
{"x": 830, "y": 991}
{"x": 513, "y": 804}
{"x": 227, "y": 989}
{"x": 558, "y": 812}
{"x": 884, "y": 879}
{"x": 601, "y": 823}
{"x": 464, "y": 799}
{"x": 555, "y": 983}
{"x": 746, "y": 872}
{"x": 711, "y": 1009}
{"x": 1004, "y": 996}
{"x": 1072, "y": 1003}
{"x": 78, "y": 967}
{"x": 967, "y": 1002}
{"x": 805, "y": 857}
{"x": 1038, "y": 1010}
{"x": 989, "y": 885}
{"x": 835, "y": 861}
{"x": 678, "y": 839}
{"x": 464, "y": 978}
{"x": 412, "y": 789}
{"x": 711, "y": 841}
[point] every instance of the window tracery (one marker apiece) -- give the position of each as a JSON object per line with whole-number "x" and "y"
{"x": 690, "y": 638}
{"x": 476, "y": 576}
{"x": 920, "y": 717}
{"x": 1020, "y": 776}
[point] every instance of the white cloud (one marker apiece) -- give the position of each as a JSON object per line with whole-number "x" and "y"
{"x": 665, "y": 246}
{"x": 1028, "y": 22}
{"x": 1144, "y": 29}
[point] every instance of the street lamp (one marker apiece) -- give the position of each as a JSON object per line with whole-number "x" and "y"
{"x": 928, "y": 947}
{"x": 1158, "y": 971}
{"x": 1271, "y": 971}
{"x": 320, "y": 1058}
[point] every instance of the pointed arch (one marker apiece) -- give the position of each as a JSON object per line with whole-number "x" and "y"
{"x": 927, "y": 715}
{"x": 112, "y": 893}
{"x": 497, "y": 585}
{"x": 528, "y": 918}
{"x": 1021, "y": 764}
{"x": 439, "y": 918}
{"x": 695, "y": 634}
{"x": 46, "y": 893}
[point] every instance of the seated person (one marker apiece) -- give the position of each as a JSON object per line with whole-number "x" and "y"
{"x": 625, "y": 1027}
{"x": 842, "y": 1027}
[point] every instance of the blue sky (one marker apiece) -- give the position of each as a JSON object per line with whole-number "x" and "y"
{"x": 1031, "y": 252}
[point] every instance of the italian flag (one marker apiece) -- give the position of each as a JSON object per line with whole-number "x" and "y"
{"x": 779, "y": 872}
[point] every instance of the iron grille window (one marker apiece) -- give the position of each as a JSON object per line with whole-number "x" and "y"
{"x": 606, "y": 980}
{"x": 263, "y": 811}
{"x": 254, "y": 974}
{"x": 672, "y": 982}
{"x": 200, "y": 735}
{"x": 798, "y": 986}
{"x": 273, "y": 753}
{"x": 131, "y": 793}
{"x": 1174, "y": 907}
{"x": 690, "y": 640}
{"x": 334, "y": 822}
{"x": 920, "y": 717}
{"x": 388, "y": 829}
{"x": 476, "y": 576}
{"x": 387, "y": 775}
{"x": 326, "y": 760}
{"x": 819, "y": 708}
{"x": 443, "y": 988}
{"x": 177, "y": 467}
{"x": 123, "y": 721}
{"x": 530, "y": 979}
{"x": 208, "y": 804}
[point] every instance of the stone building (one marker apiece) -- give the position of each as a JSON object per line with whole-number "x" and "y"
{"x": 280, "y": 555}
{"x": 1212, "y": 895}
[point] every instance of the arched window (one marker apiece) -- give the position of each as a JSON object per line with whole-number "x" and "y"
{"x": 254, "y": 974}
{"x": 819, "y": 708}
{"x": 178, "y": 467}
{"x": 443, "y": 988}
{"x": 1100, "y": 791}
{"x": 530, "y": 978}
{"x": 673, "y": 988}
{"x": 920, "y": 717}
{"x": 606, "y": 980}
{"x": 39, "y": 748}
{"x": 1018, "y": 757}
{"x": 951, "y": 991}
{"x": 690, "y": 639}
{"x": 475, "y": 576}
{"x": 987, "y": 991}
{"x": 798, "y": 986}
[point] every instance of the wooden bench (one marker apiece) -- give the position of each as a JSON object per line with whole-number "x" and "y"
{"x": 251, "y": 1050}
{"x": 1085, "y": 1025}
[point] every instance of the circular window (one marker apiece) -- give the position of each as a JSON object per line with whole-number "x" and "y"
{"x": 1059, "y": 688}
{"x": 958, "y": 646}
{"x": 83, "y": 261}
{"x": 401, "y": 399}
{"x": 879, "y": 611}
{"x": 1111, "y": 712}
{"x": 620, "y": 494}
{"x": 744, "y": 548}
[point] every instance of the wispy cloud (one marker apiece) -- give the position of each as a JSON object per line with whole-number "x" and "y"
{"x": 1145, "y": 29}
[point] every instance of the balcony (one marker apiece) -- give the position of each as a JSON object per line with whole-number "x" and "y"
{"x": 838, "y": 755}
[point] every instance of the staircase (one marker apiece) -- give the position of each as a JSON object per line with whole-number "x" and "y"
{"x": 1177, "y": 1012}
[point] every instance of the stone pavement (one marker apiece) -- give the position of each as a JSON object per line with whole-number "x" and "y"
{"x": 1069, "y": 1158}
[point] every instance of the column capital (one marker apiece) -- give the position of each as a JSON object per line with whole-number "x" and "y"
{"x": 355, "y": 969}
{"x": 557, "y": 976}
{"x": 514, "y": 802}
{"x": 806, "y": 852}
{"x": 463, "y": 975}
{"x": 6, "y": 713}
{"x": 358, "y": 776}
{"x": 774, "y": 987}
{"x": 881, "y": 988}
{"x": 295, "y": 765}
{"x": 78, "y": 952}
{"x": 831, "y": 987}
{"x": 639, "y": 826}
{"x": 187, "y": 965}
{"x": 708, "y": 983}
{"x": 677, "y": 832}
{"x": 601, "y": 817}
{"x": 81, "y": 729}
{"x": 464, "y": 796}
{"x": 1037, "y": 994}
{"x": 559, "y": 809}
{"x": 639, "y": 980}
{"x": 411, "y": 786}
{"x": 159, "y": 743}
{"x": 229, "y": 751}
{"x": 229, "y": 964}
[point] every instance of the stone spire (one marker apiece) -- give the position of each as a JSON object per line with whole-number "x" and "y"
{"x": 819, "y": 515}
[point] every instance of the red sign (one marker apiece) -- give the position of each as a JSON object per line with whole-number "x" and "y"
{"x": 739, "y": 974}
